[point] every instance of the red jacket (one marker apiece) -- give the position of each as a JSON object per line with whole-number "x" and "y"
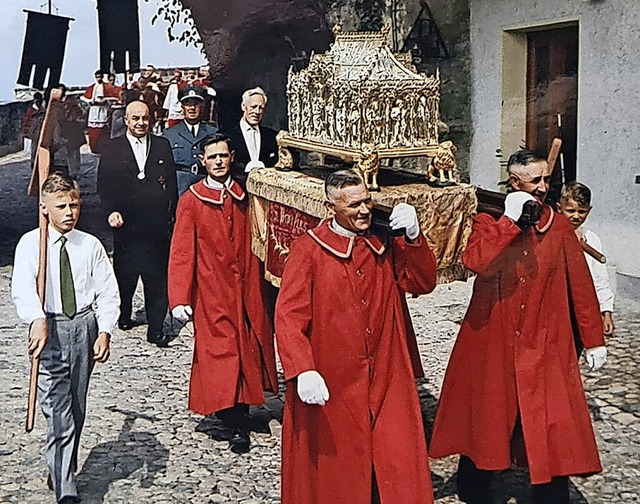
{"x": 212, "y": 269}
{"x": 339, "y": 311}
{"x": 515, "y": 352}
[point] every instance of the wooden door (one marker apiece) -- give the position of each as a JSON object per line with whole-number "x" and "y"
{"x": 552, "y": 98}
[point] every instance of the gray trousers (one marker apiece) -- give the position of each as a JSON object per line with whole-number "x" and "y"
{"x": 65, "y": 367}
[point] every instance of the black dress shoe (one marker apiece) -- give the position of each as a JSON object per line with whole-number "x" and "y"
{"x": 160, "y": 340}
{"x": 69, "y": 500}
{"x": 240, "y": 441}
{"x": 125, "y": 324}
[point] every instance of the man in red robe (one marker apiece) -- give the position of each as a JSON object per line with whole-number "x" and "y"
{"x": 512, "y": 387}
{"x": 214, "y": 277}
{"x": 352, "y": 429}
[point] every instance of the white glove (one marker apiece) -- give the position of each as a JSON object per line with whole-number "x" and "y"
{"x": 404, "y": 216}
{"x": 312, "y": 389}
{"x": 211, "y": 92}
{"x": 251, "y": 165}
{"x": 182, "y": 313}
{"x": 514, "y": 202}
{"x": 596, "y": 357}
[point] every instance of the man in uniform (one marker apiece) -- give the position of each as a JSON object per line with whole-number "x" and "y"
{"x": 512, "y": 390}
{"x": 352, "y": 429}
{"x": 185, "y": 137}
{"x": 137, "y": 182}
{"x": 214, "y": 277}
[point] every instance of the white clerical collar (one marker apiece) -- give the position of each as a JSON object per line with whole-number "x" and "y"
{"x": 338, "y": 229}
{"x": 214, "y": 184}
{"x": 135, "y": 140}
{"x": 247, "y": 127}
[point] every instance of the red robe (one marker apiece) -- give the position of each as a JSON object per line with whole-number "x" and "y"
{"x": 339, "y": 312}
{"x": 212, "y": 269}
{"x": 516, "y": 353}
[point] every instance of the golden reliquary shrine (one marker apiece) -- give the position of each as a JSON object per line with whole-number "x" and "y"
{"x": 360, "y": 103}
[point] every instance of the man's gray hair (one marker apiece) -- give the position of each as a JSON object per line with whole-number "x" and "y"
{"x": 341, "y": 179}
{"x": 252, "y": 92}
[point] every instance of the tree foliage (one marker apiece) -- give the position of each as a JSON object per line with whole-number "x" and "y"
{"x": 181, "y": 25}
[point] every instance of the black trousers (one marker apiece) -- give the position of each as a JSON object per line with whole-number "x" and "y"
{"x": 475, "y": 486}
{"x": 149, "y": 260}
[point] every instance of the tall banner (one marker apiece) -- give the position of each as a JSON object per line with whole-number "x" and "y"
{"x": 45, "y": 41}
{"x": 119, "y": 28}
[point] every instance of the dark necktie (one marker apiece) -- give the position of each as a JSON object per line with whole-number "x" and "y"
{"x": 193, "y": 130}
{"x": 67, "y": 290}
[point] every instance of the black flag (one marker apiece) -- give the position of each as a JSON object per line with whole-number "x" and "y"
{"x": 119, "y": 29}
{"x": 44, "y": 44}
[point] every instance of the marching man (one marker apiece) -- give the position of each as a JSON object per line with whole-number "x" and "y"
{"x": 352, "y": 430}
{"x": 214, "y": 277}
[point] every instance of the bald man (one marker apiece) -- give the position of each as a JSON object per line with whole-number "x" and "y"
{"x": 137, "y": 183}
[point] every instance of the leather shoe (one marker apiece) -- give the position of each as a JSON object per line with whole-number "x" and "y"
{"x": 160, "y": 340}
{"x": 49, "y": 482}
{"x": 125, "y": 324}
{"x": 240, "y": 441}
{"x": 69, "y": 500}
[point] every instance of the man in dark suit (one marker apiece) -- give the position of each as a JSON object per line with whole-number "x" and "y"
{"x": 255, "y": 145}
{"x": 137, "y": 182}
{"x": 185, "y": 137}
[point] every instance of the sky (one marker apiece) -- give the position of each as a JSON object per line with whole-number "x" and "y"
{"x": 82, "y": 52}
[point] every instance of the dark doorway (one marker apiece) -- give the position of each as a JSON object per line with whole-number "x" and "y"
{"x": 552, "y": 98}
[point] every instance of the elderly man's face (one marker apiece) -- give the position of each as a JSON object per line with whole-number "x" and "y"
{"x": 351, "y": 207}
{"x": 253, "y": 109}
{"x": 533, "y": 178}
{"x": 137, "y": 119}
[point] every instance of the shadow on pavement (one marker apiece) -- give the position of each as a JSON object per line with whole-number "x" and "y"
{"x": 116, "y": 460}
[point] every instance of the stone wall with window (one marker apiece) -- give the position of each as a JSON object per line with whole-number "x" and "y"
{"x": 608, "y": 120}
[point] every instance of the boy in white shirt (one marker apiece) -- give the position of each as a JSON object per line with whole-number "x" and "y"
{"x": 72, "y": 331}
{"x": 575, "y": 205}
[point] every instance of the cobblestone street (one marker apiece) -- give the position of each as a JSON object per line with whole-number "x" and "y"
{"x": 141, "y": 445}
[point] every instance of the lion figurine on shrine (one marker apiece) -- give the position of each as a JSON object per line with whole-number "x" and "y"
{"x": 369, "y": 164}
{"x": 444, "y": 162}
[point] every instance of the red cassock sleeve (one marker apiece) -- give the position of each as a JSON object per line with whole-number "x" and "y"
{"x": 294, "y": 311}
{"x": 415, "y": 266}
{"x": 583, "y": 294}
{"x": 88, "y": 93}
{"x": 487, "y": 241}
{"x": 182, "y": 258}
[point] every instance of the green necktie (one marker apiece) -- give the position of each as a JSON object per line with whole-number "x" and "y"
{"x": 67, "y": 290}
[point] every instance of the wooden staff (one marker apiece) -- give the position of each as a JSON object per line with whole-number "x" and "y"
{"x": 556, "y": 145}
{"x": 39, "y": 174}
{"x": 598, "y": 256}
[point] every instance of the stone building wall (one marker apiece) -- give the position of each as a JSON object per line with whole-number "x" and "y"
{"x": 608, "y": 112}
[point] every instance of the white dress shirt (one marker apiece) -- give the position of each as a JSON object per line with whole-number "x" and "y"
{"x": 140, "y": 151}
{"x": 253, "y": 141}
{"x": 599, "y": 272}
{"x": 93, "y": 278}
{"x": 193, "y": 128}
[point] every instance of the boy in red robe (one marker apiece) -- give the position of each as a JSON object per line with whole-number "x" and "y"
{"x": 214, "y": 277}
{"x": 352, "y": 430}
{"x": 513, "y": 379}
